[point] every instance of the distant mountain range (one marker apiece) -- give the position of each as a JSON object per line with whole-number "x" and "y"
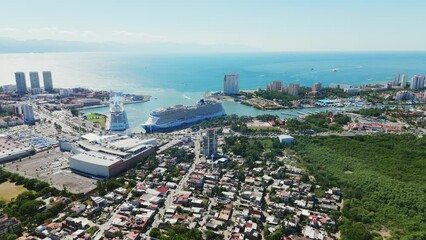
{"x": 10, "y": 45}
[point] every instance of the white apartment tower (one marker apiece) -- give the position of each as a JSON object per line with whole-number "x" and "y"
{"x": 34, "y": 80}
{"x": 404, "y": 80}
{"x": 417, "y": 82}
{"x": 21, "y": 85}
{"x": 210, "y": 142}
{"x": 231, "y": 84}
{"x": 47, "y": 80}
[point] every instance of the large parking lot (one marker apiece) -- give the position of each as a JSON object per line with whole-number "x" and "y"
{"x": 52, "y": 166}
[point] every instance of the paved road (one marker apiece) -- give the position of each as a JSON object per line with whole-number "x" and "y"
{"x": 169, "y": 199}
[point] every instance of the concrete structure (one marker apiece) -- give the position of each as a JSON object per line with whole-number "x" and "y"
{"x": 339, "y": 86}
{"x": 96, "y": 164}
{"x": 352, "y": 90}
{"x": 21, "y": 85}
{"x": 28, "y": 113}
{"x": 47, "y": 80}
{"x": 210, "y": 142}
{"x": 396, "y": 81}
{"x": 275, "y": 86}
{"x": 287, "y": 139}
{"x": 405, "y": 95}
{"x": 10, "y": 150}
{"x": 316, "y": 87}
{"x": 417, "y": 82}
{"x": 292, "y": 89}
{"x": 404, "y": 80}
{"x": 107, "y": 156}
{"x": 34, "y": 80}
{"x": 231, "y": 84}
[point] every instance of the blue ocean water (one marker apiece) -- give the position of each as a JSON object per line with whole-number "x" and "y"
{"x": 182, "y": 78}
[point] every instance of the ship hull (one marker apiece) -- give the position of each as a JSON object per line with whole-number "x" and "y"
{"x": 178, "y": 124}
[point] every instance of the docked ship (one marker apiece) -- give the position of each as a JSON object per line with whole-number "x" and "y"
{"x": 117, "y": 117}
{"x": 182, "y": 115}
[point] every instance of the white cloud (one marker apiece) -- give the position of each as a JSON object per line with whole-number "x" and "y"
{"x": 50, "y": 30}
{"x": 9, "y": 30}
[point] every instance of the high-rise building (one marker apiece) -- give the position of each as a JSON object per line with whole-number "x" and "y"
{"x": 210, "y": 142}
{"x": 34, "y": 80}
{"x": 292, "y": 89}
{"x": 417, "y": 82}
{"x": 404, "y": 80}
{"x": 275, "y": 86}
{"x": 21, "y": 85}
{"x": 27, "y": 111}
{"x": 231, "y": 84}
{"x": 396, "y": 80}
{"x": 47, "y": 80}
{"x": 316, "y": 87}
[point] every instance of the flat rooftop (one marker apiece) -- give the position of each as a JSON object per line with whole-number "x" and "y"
{"x": 8, "y": 146}
{"x": 98, "y": 148}
{"x": 96, "y": 158}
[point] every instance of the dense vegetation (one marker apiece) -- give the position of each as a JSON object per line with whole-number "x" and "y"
{"x": 6, "y": 111}
{"x": 26, "y": 206}
{"x": 304, "y": 93}
{"x": 371, "y": 112}
{"x": 181, "y": 232}
{"x": 382, "y": 178}
{"x": 237, "y": 123}
{"x": 253, "y": 149}
{"x": 320, "y": 122}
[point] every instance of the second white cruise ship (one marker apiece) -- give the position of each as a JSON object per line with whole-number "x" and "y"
{"x": 181, "y": 115}
{"x": 117, "y": 117}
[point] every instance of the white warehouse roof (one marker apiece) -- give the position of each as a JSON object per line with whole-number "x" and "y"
{"x": 96, "y": 158}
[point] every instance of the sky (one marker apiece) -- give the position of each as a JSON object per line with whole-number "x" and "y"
{"x": 269, "y": 25}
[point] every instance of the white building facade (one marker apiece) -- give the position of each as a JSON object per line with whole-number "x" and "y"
{"x": 231, "y": 84}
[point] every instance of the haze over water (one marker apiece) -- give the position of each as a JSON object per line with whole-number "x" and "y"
{"x": 182, "y": 79}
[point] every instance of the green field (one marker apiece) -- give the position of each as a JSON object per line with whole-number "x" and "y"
{"x": 382, "y": 178}
{"x": 96, "y": 118}
{"x": 9, "y": 190}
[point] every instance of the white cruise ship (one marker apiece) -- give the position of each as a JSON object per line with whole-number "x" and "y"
{"x": 117, "y": 117}
{"x": 181, "y": 115}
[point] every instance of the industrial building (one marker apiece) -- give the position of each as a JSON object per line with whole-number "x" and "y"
{"x": 10, "y": 150}
{"x": 107, "y": 156}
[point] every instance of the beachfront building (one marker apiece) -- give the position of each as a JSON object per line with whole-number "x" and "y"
{"x": 404, "y": 80}
{"x": 47, "y": 80}
{"x": 316, "y": 87}
{"x": 21, "y": 85}
{"x": 292, "y": 89}
{"x": 34, "y": 80}
{"x": 275, "y": 86}
{"x": 396, "y": 79}
{"x": 417, "y": 82}
{"x": 231, "y": 84}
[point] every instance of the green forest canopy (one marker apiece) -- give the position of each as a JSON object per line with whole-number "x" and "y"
{"x": 382, "y": 178}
